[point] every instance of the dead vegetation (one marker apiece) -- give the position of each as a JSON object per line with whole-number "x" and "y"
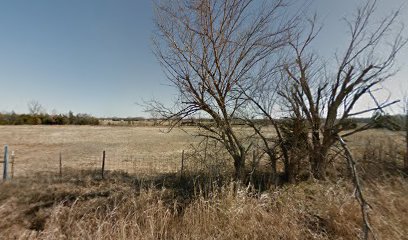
{"x": 81, "y": 205}
{"x": 125, "y": 208}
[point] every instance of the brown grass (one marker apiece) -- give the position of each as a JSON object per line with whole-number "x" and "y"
{"x": 163, "y": 206}
{"x": 134, "y": 149}
{"x": 79, "y": 207}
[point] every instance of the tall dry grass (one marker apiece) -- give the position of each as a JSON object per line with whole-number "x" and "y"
{"x": 82, "y": 206}
{"x": 122, "y": 208}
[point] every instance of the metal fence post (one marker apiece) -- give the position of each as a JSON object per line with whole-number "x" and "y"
{"x": 103, "y": 164}
{"x": 5, "y": 163}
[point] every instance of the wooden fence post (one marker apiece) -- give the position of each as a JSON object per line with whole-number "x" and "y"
{"x": 13, "y": 157}
{"x": 5, "y": 163}
{"x": 103, "y": 164}
{"x": 60, "y": 164}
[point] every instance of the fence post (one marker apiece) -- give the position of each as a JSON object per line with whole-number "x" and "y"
{"x": 103, "y": 163}
{"x": 5, "y": 163}
{"x": 182, "y": 164}
{"x": 205, "y": 154}
{"x": 13, "y": 157}
{"x": 60, "y": 164}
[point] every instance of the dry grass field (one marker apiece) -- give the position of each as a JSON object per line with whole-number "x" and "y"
{"x": 39, "y": 204}
{"x": 134, "y": 149}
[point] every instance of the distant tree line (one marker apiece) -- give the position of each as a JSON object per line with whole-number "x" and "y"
{"x": 390, "y": 122}
{"x": 47, "y": 119}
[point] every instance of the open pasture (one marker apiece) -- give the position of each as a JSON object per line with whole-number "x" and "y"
{"x": 131, "y": 149}
{"x": 140, "y": 150}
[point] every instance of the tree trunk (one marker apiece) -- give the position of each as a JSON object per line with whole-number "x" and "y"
{"x": 318, "y": 162}
{"x": 286, "y": 163}
{"x": 272, "y": 158}
{"x": 292, "y": 171}
{"x": 289, "y": 174}
{"x": 318, "y": 156}
{"x": 239, "y": 165}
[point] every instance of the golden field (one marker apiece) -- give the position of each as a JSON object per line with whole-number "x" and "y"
{"x": 139, "y": 150}
{"x": 134, "y": 149}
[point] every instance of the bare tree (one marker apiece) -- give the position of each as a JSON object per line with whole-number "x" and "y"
{"x": 290, "y": 144}
{"x": 35, "y": 108}
{"x": 327, "y": 100}
{"x": 208, "y": 49}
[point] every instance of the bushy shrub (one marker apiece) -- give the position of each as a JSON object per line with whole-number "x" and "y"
{"x": 85, "y": 119}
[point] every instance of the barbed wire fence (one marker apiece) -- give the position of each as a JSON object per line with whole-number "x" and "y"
{"x": 63, "y": 162}
{"x": 205, "y": 156}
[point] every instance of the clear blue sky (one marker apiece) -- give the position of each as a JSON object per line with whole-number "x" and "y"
{"x": 94, "y": 56}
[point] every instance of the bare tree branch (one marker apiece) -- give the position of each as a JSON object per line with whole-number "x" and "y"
{"x": 364, "y": 206}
